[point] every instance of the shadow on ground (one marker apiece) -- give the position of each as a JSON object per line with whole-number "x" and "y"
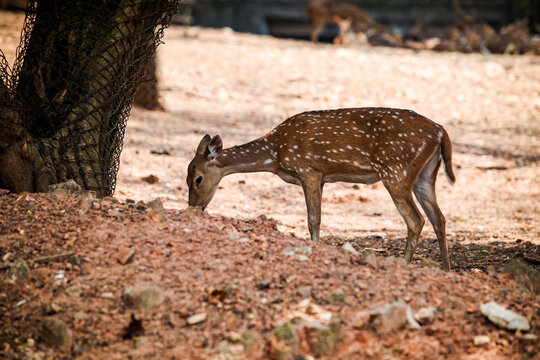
{"x": 463, "y": 256}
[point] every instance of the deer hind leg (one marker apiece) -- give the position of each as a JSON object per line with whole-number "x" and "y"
{"x": 313, "y": 187}
{"x": 317, "y": 26}
{"x": 402, "y": 197}
{"x": 424, "y": 190}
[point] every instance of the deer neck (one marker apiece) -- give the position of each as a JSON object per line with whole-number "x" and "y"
{"x": 257, "y": 155}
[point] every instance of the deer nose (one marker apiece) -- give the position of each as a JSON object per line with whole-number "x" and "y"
{"x": 204, "y": 207}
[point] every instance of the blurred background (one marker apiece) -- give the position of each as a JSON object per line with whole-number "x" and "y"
{"x": 288, "y": 18}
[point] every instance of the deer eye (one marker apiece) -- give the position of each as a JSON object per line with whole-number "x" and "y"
{"x": 198, "y": 181}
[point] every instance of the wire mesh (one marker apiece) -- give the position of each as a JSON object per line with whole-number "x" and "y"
{"x": 77, "y": 67}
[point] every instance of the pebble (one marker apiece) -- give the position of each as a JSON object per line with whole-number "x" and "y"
{"x": 294, "y": 250}
{"x": 349, "y": 248}
{"x": 143, "y": 296}
{"x": 528, "y": 337}
{"x": 304, "y": 291}
{"x": 68, "y": 187}
{"x": 150, "y": 179}
{"x": 480, "y": 340}
{"x": 156, "y": 204}
{"x": 18, "y": 270}
{"x": 51, "y": 308}
{"x": 55, "y": 333}
{"x": 196, "y": 319}
{"x": 160, "y": 150}
{"x": 425, "y": 315}
{"x": 125, "y": 255}
{"x": 80, "y": 315}
{"x": 74, "y": 290}
{"x": 503, "y": 317}
{"x": 391, "y": 317}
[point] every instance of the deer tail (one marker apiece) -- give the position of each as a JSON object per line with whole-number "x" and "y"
{"x": 446, "y": 155}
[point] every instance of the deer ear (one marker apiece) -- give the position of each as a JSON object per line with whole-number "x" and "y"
{"x": 203, "y": 145}
{"x": 215, "y": 147}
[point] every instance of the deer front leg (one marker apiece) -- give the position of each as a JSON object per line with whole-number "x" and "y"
{"x": 312, "y": 187}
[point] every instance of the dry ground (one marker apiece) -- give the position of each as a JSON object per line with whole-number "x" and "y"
{"x": 232, "y": 264}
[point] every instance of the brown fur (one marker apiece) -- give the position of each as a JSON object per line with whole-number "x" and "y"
{"x": 324, "y": 12}
{"x": 401, "y": 148}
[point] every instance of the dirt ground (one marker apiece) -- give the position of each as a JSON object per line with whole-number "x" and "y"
{"x": 232, "y": 280}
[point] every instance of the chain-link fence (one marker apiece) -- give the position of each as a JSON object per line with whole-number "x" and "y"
{"x": 77, "y": 67}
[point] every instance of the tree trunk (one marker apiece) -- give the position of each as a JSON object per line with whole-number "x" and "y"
{"x": 64, "y": 108}
{"x": 147, "y": 94}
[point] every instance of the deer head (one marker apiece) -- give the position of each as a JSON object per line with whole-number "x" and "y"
{"x": 203, "y": 175}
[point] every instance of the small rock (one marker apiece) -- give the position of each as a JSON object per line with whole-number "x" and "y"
{"x": 264, "y": 285}
{"x": 160, "y": 150}
{"x": 528, "y": 337}
{"x": 313, "y": 309}
{"x": 349, "y": 248}
{"x": 243, "y": 240}
{"x": 85, "y": 204}
{"x": 116, "y": 213}
{"x": 360, "y": 319}
{"x": 480, "y": 340}
{"x": 156, "y": 204}
{"x": 503, "y": 317}
{"x": 391, "y": 317}
{"x": 233, "y": 336}
{"x": 51, "y": 308}
{"x": 229, "y": 350}
{"x": 301, "y": 257}
{"x": 150, "y": 179}
{"x": 125, "y": 255}
{"x": 55, "y": 333}
{"x": 425, "y": 315}
{"x": 169, "y": 319}
{"x": 143, "y": 296}
{"x": 74, "y": 290}
{"x": 17, "y": 271}
{"x": 80, "y": 315}
{"x": 196, "y": 319}
{"x": 371, "y": 259}
{"x": 304, "y": 291}
{"x": 68, "y": 187}
{"x": 295, "y": 250}
{"x": 107, "y": 295}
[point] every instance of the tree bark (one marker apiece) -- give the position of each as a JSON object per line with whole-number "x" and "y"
{"x": 147, "y": 95}
{"x": 75, "y": 80}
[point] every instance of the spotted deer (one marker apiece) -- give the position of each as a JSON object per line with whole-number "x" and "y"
{"x": 322, "y": 12}
{"x": 360, "y": 145}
